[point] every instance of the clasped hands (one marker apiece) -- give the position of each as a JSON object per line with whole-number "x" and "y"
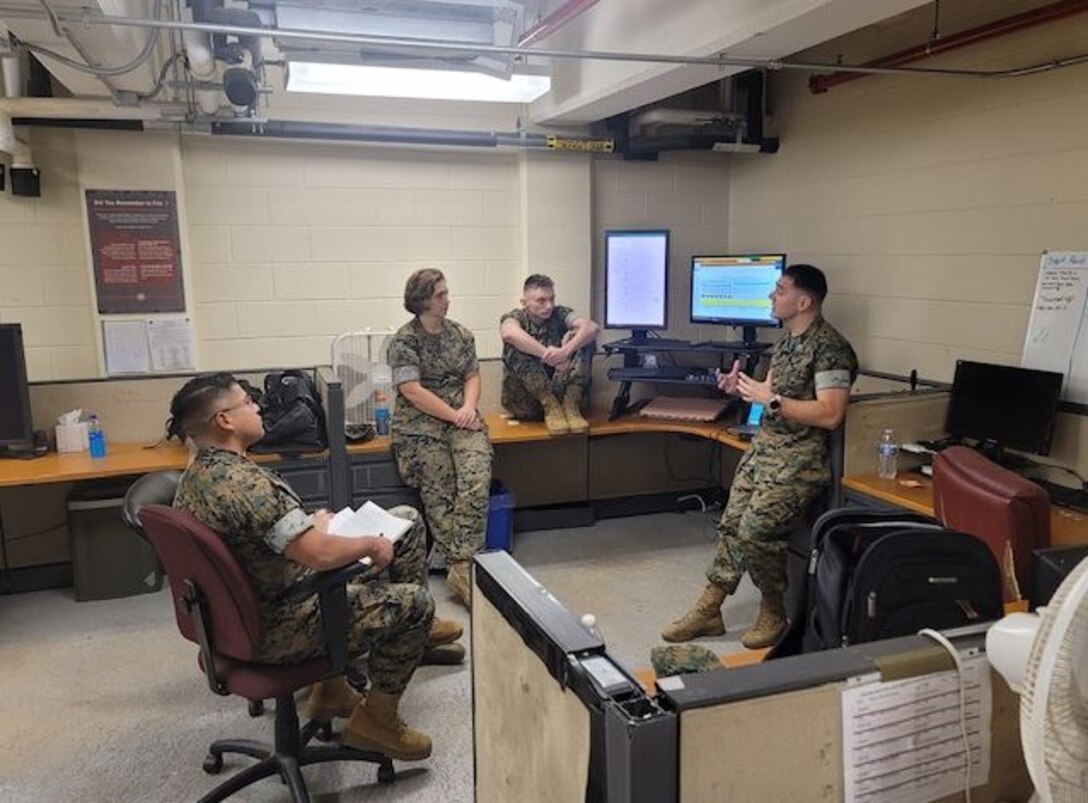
{"x": 558, "y": 357}
{"x": 738, "y": 383}
{"x": 465, "y": 417}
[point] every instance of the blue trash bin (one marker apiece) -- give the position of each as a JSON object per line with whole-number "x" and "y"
{"x": 500, "y": 518}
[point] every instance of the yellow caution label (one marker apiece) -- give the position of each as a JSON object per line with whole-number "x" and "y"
{"x": 583, "y": 145}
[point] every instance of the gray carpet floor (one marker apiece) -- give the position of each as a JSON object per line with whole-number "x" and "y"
{"x": 103, "y": 701}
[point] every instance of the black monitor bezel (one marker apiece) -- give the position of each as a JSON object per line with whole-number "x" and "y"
{"x": 665, "y": 311}
{"x": 776, "y": 324}
{"x": 23, "y": 391}
{"x": 1018, "y": 445}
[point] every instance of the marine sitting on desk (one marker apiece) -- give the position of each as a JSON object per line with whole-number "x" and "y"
{"x": 787, "y": 466}
{"x": 546, "y": 359}
{"x": 261, "y": 521}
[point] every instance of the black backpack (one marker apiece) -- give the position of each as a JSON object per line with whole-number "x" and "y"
{"x": 876, "y": 575}
{"x": 294, "y": 420}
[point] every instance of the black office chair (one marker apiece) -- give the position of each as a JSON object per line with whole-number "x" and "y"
{"x": 156, "y": 488}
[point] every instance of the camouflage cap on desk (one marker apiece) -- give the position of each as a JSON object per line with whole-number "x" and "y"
{"x": 683, "y": 659}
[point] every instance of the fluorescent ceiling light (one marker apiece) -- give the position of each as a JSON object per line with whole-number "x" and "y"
{"x": 395, "y": 82}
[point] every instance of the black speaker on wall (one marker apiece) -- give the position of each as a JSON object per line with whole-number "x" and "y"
{"x": 26, "y": 181}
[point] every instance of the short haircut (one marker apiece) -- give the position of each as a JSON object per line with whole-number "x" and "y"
{"x": 809, "y": 279}
{"x": 419, "y": 288}
{"x": 193, "y": 406}
{"x": 538, "y": 281}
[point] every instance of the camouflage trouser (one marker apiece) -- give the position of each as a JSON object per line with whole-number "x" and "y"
{"x": 754, "y": 530}
{"x": 453, "y": 476}
{"x": 525, "y": 379}
{"x": 388, "y": 620}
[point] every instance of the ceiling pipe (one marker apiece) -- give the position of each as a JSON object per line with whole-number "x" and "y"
{"x": 554, "y": 21}
{"x": 983, "y": 33}
{"x": 87, "y": 18}
{"x": 287, "y": 129}
{"x": 91, "y": 109}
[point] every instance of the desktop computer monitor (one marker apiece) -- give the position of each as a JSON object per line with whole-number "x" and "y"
{"x": 16, "y": 425}
{"x": 735, "y": 290}
{"x": 1001, "y": 406}
{"x": 636, "y": 280}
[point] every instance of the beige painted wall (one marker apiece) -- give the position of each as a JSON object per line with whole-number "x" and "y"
{"x": 927, "y": 201}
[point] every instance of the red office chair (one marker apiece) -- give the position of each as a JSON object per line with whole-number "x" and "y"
{"x": 1011, "y": 514}
{"x": 217, "y": 608}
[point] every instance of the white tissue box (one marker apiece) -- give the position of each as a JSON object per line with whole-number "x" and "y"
{"x": 72, "y": 437}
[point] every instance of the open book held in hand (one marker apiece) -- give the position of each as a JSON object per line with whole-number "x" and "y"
{"x": 368, "y": 520}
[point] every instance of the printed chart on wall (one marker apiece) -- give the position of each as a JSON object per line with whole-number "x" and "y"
{"x": 137, "y": 252}
{"x": 1057, "y": 337}
{"x": 161, "y": 345}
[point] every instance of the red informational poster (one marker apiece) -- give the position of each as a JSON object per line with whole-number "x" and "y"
{"x": 137, "y": 251}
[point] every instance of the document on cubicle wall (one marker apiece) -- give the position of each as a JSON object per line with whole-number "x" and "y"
{"x": 903, "y": 742}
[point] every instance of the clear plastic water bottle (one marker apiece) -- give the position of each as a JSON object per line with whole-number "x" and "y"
{"x": 96, "y": 437}
{"x": 382, "y": 413}
{"x": 887, "y": 453}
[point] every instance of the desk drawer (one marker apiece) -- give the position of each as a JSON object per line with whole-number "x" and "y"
{"x": 373, "y": 474}
{"x": 311, "y": 483}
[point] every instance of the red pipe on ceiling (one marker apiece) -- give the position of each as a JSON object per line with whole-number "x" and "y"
{"x": 554, "y": 21}
{"x": 991, "y": 30}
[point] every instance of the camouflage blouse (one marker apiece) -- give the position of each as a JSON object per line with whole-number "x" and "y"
{"x": 254, "y": 511}
{"x": 817, "y": 359}
{"x": 439, "y": 362}
{"x": 549, "y": 333}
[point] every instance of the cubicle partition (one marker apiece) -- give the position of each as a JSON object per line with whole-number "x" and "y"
{"x": 555, "y": 718}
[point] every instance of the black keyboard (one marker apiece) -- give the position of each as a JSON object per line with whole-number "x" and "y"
{"x": 1064, "y": 496}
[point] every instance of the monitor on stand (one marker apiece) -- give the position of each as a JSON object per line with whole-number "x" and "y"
{"x": 735, "y": 290}
{"x": 636, "y": 281}
{"x": 16, "y": 424}
{"x": 1000, "y": 406}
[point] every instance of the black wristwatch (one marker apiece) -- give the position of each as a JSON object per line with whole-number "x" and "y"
{"x": 775, "y": 404}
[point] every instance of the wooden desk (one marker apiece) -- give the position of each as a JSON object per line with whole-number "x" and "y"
{"x": 1067, "y": 527}
{"x": 122, "y": 459}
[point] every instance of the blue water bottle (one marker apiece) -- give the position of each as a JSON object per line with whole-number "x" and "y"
{"x": 382, "y": 413}
{"x": 96, "y": 438}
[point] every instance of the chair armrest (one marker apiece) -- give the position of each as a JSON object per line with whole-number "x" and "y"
{"x": 331, "y": 587}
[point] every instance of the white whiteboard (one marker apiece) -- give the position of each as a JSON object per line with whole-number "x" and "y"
{"x": 1056, "y": 338}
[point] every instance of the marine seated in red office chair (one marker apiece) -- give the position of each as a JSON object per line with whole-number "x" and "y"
{"x": 262, "y": 522}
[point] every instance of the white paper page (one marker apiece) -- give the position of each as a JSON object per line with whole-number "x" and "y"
{"x": 125, "y": 343}
{"x": 369, "y": 520}
{"x": 902, "y": 741}
{"x": 171, "y": 341}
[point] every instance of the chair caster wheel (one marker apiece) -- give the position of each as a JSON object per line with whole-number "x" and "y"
{"x": 213, "y": 763}
{"x": 386, "y": 773}
{"x": 256, "y": 708}
{"x": 325, "y": 732}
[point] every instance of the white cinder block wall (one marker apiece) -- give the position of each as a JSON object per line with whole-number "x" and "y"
{"x": 928, "y": 201}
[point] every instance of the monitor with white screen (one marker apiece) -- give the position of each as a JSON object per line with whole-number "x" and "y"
{"x": 636, "y": 280}
{"x": 735, "y": 290}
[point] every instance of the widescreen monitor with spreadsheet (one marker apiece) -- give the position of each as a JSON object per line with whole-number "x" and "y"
{"x": 636, "y": 280}
{"x": 735, "y": 290}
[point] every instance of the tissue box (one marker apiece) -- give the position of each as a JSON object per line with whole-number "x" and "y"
{"x": 72, "y": 437}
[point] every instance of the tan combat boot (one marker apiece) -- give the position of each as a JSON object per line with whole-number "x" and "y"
{"x": 769, "y": 625}
{"x": 572, "y": 409}
{"x": 555, "y": 421}
{"x": 376, "y": 726}
{"x": 704, "y": 618}
{"x": 443, "y": 631}
{"x": 332, "y": 698}
{"x": 458, "y": 581}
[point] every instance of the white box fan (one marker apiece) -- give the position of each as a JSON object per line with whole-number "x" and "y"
{"x": 1044, "y": 658}
{"x": 360, "y": 362}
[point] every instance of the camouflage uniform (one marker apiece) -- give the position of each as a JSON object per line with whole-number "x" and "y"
{"x": 683, "y": 659}
{"x": 525, "y": 378}
{"x": 785, "y": 468}
{"x": 451, "y": 467}
{"x": 258, "y": 515}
